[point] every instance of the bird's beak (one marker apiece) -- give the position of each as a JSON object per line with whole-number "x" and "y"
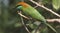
{"x": 16, "y": 8}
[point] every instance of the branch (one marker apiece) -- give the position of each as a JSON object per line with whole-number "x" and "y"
{"x": 53, "y": 20}
{"x": 23, "y": 15}
{"x": 45, "y": 8}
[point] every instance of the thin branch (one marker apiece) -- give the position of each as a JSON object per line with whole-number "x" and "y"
{"x": 35, "y": 6}
{"x": 45, "y": 8}
{"x": 53, "y": 20}
{"x": 22, "y": 15}
{"x": 25, "y": 25}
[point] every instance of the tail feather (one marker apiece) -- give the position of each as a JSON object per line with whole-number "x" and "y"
{"x": 50, "y": 27}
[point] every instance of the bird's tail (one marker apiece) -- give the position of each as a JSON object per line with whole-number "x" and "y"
{"x": 50, "y": 26}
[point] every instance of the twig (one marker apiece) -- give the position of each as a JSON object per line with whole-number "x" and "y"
{"x": 45, "y": 8}
{"x": 35, "y": 6}
{"x": 24, "y": 25}
{"x": 22, "y": 15}
{"x": 53, "y": 20}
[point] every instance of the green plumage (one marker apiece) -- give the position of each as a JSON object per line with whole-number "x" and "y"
{"x": 35, "y": 14}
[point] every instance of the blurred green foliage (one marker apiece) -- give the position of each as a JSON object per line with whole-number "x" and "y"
{"x": 10, "y": 21}
{"x": 56, "y": 4}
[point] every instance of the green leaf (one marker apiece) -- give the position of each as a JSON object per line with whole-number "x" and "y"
{"x": 56, "y": 4}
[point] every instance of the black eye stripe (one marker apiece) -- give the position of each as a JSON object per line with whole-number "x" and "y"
{"x": 18, "y": 5}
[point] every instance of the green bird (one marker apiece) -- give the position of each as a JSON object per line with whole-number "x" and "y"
{"x": 32, "y": 12}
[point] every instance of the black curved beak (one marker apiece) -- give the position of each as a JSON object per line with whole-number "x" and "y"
{"x": 17, "y": 8}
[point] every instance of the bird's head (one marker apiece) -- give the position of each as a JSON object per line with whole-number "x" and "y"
{"x": 21, "y": 5}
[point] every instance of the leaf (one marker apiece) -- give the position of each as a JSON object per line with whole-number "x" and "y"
{"x": 56, "y": 4}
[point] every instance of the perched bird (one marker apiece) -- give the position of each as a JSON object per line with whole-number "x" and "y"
{"x": 32, "y": 12}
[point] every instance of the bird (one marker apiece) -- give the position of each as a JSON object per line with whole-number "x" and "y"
{"x": 32, "y": 12}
